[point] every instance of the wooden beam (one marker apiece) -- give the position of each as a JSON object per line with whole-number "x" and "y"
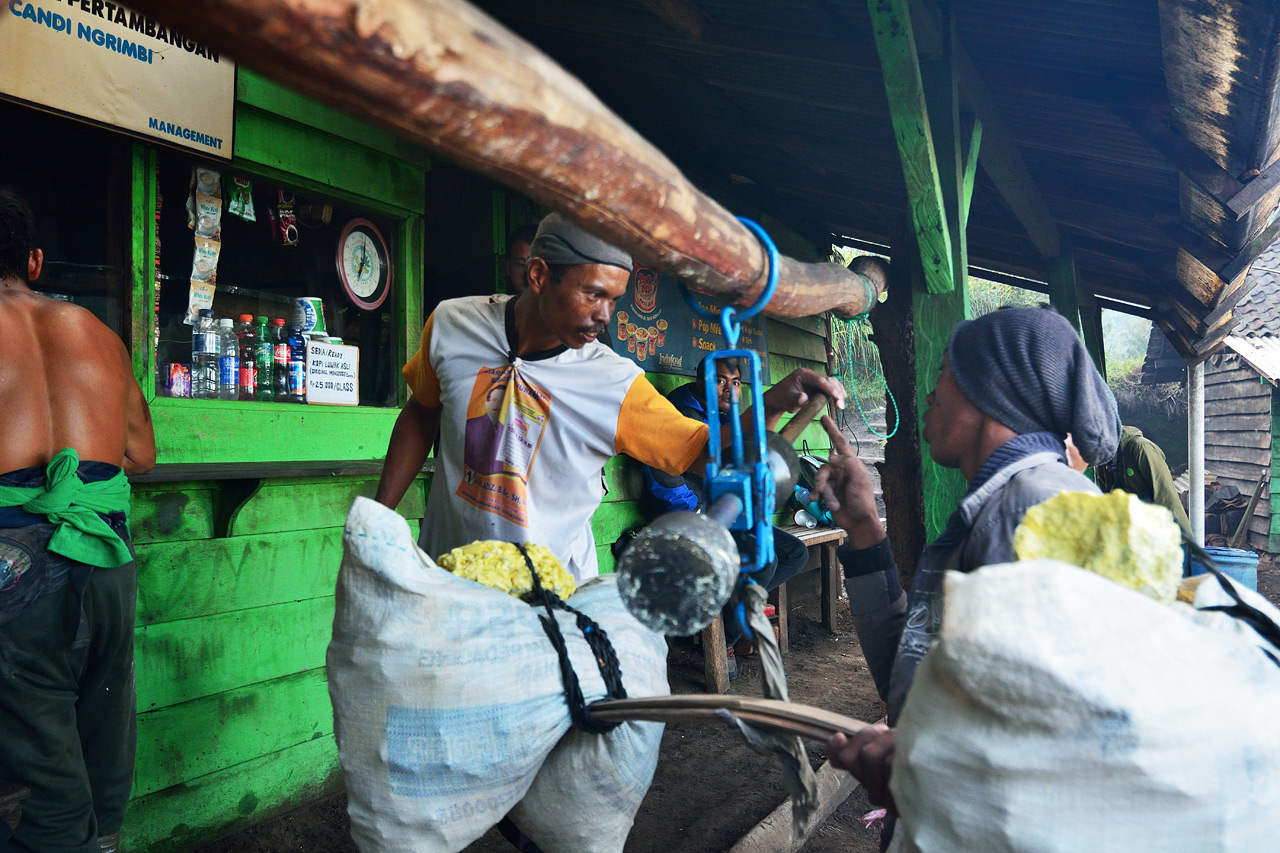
{"x": 1062, "y": 286}
{"x": 1259, "y": 244}
{"x": 891, "y": 23}
{"x": 971, "y": 130}
{"x": 999, "y": 155}
{"x": 1254, "y": 191}
{"x": 1091, "y": 325}
{"x": 682, "y": 17}
{"x": 447, "y": 77}
{"x": 1202, "y": 170}
{"x": 942, "y": 99}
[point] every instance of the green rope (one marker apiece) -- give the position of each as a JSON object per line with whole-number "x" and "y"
{"x": 843, "y": 339}
{"x": 897, "y": 420}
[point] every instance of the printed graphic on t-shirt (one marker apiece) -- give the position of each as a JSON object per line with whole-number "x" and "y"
{"x": 506, "y": 417}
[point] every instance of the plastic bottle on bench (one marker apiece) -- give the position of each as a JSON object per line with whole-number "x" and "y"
{"x": 205, "y": 347}
{"x": 297, "y": 366}
{"x": 228, "y": 361}
{"x": 280, "y": 361}
{"x": 248, "y": 353}
{"x": 264, "y": 360}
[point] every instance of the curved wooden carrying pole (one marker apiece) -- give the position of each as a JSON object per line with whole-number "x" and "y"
{"x": 444, "y": 75}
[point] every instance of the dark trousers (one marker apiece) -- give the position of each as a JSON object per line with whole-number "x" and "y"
{"x": 790, "y": 557}
{"x": 68, "y": 715}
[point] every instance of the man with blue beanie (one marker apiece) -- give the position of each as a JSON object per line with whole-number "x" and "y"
{"x": 1013, "y": 384}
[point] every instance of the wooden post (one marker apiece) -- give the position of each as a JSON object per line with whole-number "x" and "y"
{"x": 1062, "y": 285}
{"x": 891, "y": 22}
{"x": 936, "y": 314}
{"x": 446, "y": 76}
{"x": 894, "y": 335}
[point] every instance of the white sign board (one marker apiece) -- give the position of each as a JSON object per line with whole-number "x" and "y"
{"x": 333, "y": 374}
{"x": 106, "y": 63}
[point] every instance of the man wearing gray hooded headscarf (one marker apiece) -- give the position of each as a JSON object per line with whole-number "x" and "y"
{"x": 1013, "y": 383}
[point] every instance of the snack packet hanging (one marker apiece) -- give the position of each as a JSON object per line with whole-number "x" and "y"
{"x": 208, "y": 216}
{"x": 241, "y": 201}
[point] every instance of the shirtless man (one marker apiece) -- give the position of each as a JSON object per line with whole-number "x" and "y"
{"x": 73, "y": 423}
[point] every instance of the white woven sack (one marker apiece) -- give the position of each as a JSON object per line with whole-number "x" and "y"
{"x": 1059, "y": 711}
{"x": 449, "y": 707}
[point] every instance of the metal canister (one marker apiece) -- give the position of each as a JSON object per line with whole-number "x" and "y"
{"x": 308, "y": 315}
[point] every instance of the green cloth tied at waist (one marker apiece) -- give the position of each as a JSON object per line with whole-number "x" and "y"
{"x": 74, "y": 506}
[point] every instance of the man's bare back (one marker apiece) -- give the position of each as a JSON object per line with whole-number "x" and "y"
{"x": 66, "y": 381}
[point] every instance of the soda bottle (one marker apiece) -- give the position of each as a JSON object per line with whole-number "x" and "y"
{"x": 228, "y": 361}
{"x": 248, "y": 352}
{"x": 264, "y": 358}
{"x": 280, "y": 361}
{"x": 297, "y": 366}
{"x": 205, "y": 346}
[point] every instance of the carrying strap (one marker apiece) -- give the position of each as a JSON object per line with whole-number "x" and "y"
{"x": 597, "y": 641}
{"x": 1264, "y": 625}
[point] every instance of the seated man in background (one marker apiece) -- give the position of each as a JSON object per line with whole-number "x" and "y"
{"x": 518, "y": 243}
{"x": 74, "y": 423}
{"x": 668, "y": 493}
{"x": 1013, "y": 384}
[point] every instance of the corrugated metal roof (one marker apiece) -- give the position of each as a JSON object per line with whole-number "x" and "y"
{"x": 1260, "y": 353}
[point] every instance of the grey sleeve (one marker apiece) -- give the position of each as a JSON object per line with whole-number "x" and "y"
{"x": 878, "y": 606}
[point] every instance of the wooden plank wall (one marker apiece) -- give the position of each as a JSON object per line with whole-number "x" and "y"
{"x": 1237, "y": 434}
{"x": 234, "y": 721}
{"x": 793, "y": 343}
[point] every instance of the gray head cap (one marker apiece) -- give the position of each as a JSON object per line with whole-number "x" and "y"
{"x": 561, "y": 242}
{"x": 1027, "y": 368}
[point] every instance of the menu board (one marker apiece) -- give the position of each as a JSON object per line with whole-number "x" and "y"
{"x": 654, "y": 327}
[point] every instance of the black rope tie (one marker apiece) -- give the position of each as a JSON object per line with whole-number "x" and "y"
{"x": 597, "y": 641}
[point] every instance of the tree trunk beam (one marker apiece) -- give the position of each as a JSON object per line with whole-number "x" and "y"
{"x": 443, "y": 75}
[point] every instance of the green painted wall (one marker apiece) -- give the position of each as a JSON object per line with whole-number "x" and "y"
{"x": 236, "y": 578}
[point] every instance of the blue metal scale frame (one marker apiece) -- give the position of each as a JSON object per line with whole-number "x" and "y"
{"x": 751, "y": 483}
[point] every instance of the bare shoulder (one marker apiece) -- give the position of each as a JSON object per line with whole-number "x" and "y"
{"x": 71, "y": 319}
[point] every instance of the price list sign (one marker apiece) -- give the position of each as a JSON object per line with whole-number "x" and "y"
{"x": 333, "y": 374}
{"x": 654, "y": 327}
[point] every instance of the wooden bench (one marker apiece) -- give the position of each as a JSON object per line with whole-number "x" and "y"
{"x": 822, "y": 543}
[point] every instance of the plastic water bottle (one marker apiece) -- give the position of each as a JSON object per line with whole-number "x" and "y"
{"x": 280, "y": 360}
{"x": 297, "y": 366}
{"x": 228, "y": 361}
{"x": 263, "y": 359}
{"x": 248, "y": 387}
{"x": 205, "y": 348}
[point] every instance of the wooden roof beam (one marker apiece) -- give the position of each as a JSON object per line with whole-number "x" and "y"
{"x": 1156, "y": 127}
{"x": 999, "y": 154}
{"x": 904, "y": 85}
{"x": 680, "y": 16}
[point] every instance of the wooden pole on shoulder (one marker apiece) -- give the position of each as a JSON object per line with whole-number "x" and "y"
{"x": 444, "y": 75}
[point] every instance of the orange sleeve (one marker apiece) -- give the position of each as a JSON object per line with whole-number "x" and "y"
{"x": 419, "y": 373}
{"x": 650, "y": 430}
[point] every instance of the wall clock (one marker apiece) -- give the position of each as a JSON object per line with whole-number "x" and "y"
{"x": 364, "y": 264}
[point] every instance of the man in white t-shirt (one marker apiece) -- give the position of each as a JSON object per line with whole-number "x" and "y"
{"x": 566, "y": 407}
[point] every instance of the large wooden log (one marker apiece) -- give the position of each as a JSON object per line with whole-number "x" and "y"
{"x": 444, "y": 75}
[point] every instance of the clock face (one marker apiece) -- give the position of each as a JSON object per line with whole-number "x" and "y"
{"x": 364, "y": 266}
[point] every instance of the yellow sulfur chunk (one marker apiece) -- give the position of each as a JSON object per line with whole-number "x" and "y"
{"x": 1115, "y": 535}
{"x": 500, "y": 565}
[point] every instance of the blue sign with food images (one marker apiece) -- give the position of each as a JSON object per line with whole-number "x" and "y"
{"x": 654, "y": 327}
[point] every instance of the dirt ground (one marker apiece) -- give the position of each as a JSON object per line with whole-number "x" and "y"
{"x": 709, "y": 789}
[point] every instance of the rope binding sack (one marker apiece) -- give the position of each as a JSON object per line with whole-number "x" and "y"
{"x": 597, "y": 640}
